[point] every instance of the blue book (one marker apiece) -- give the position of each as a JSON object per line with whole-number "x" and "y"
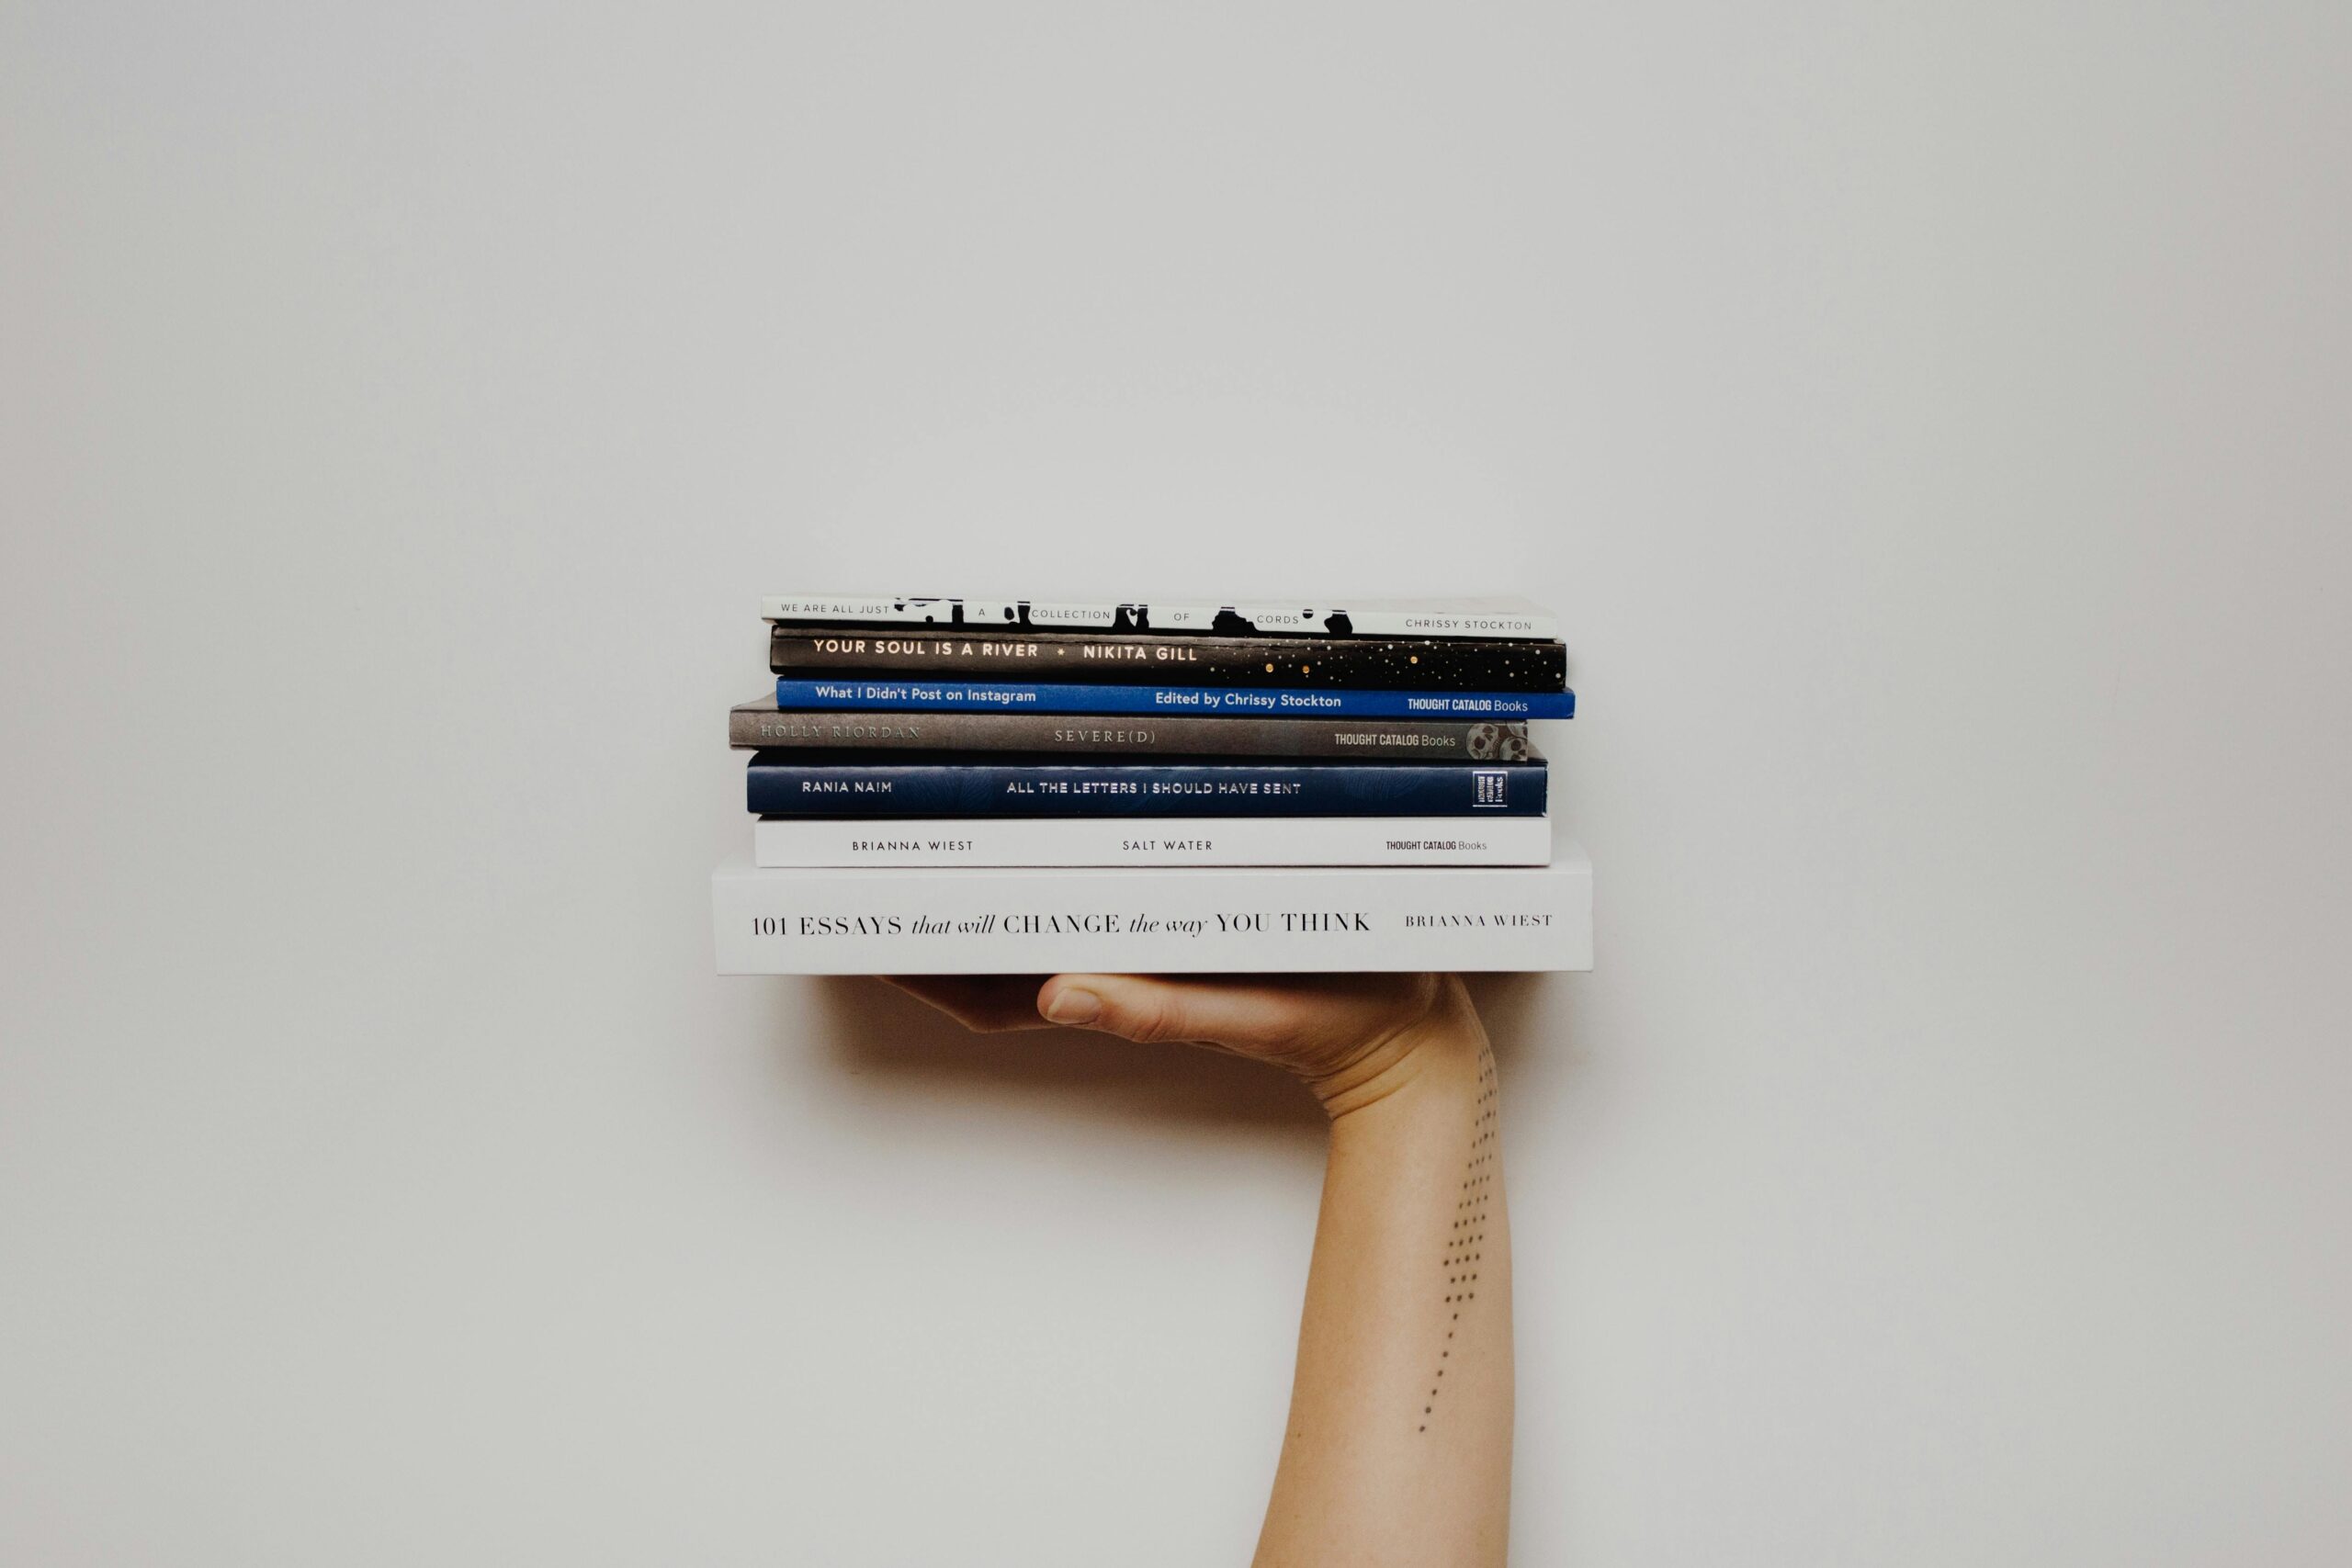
{"x": 890, "y": 785}
{"x": 998, "y": 696}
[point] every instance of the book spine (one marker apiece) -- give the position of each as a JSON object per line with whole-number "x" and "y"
{"x": 1417, "y": 618}
{"x": 790, "y": 785}
{"x": 1154, "y": 841}
{"x": 955, "y": 697}
{"x": 868, "y": 921}
{"x": 760, "y": 725}
{"x": 1383, "y": 664}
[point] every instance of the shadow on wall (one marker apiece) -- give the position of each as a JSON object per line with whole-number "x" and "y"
{"x": 895, "y": 1044}
{"x": 1510, "y": 1005}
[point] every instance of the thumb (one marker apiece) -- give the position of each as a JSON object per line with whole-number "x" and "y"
{"x": 1145, "y": 1008}
{"x": 1316, "y": 1025}
{"x": 1283, "y": 1016}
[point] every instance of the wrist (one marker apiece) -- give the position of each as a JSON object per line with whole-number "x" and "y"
{"x": 1437, "y": 1057}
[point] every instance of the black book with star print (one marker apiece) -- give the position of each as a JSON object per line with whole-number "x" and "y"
{"x": 1390, "y": 664}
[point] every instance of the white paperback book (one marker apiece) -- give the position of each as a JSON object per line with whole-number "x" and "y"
{"x": 1153, "y": 842}
{"x": 1167, "y": 920}
{"x": 1475, "y": 617}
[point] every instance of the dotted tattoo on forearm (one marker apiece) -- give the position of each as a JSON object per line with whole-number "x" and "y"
{"x": 1465, "y": 1238}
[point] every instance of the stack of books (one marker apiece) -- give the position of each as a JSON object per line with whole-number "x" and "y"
{"x": 967, "y": 785}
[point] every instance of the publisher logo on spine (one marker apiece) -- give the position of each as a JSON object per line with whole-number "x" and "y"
{"x": 1490, "y": 788}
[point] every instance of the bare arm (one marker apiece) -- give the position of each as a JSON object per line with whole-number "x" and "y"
{"x": 1397, "y": 1448}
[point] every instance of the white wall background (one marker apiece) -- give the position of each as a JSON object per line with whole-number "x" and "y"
{"x": 1930, "y": 420}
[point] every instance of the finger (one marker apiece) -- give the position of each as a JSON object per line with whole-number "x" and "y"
{"x": 1273, "y": 1015}
{"x": 985, "y": 1003}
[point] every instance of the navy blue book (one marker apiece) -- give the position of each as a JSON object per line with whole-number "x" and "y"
{"x": 898, "y": 785}
{"x": 998, "y": 696}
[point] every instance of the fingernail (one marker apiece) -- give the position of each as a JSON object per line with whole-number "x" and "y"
{"x": 1072, "y": 1005}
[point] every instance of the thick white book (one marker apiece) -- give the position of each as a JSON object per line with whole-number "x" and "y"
{"x": 1153, "y": 842}
{"x": 1472, "y": 617}
{"x": 1178, "y": 919}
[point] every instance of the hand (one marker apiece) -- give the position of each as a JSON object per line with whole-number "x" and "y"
{"x": 1353, "y": 1039}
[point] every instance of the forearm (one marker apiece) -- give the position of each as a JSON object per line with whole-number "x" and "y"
{"x": 1398, "y": 1445}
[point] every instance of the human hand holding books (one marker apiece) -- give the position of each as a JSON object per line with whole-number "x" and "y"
{"x": 997, "y": 786}
{"x": 1353, "y": 1039}
{"x": 1398, "y": 1443}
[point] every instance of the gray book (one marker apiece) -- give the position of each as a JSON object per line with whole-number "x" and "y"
{"x": 759, "y": 725}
